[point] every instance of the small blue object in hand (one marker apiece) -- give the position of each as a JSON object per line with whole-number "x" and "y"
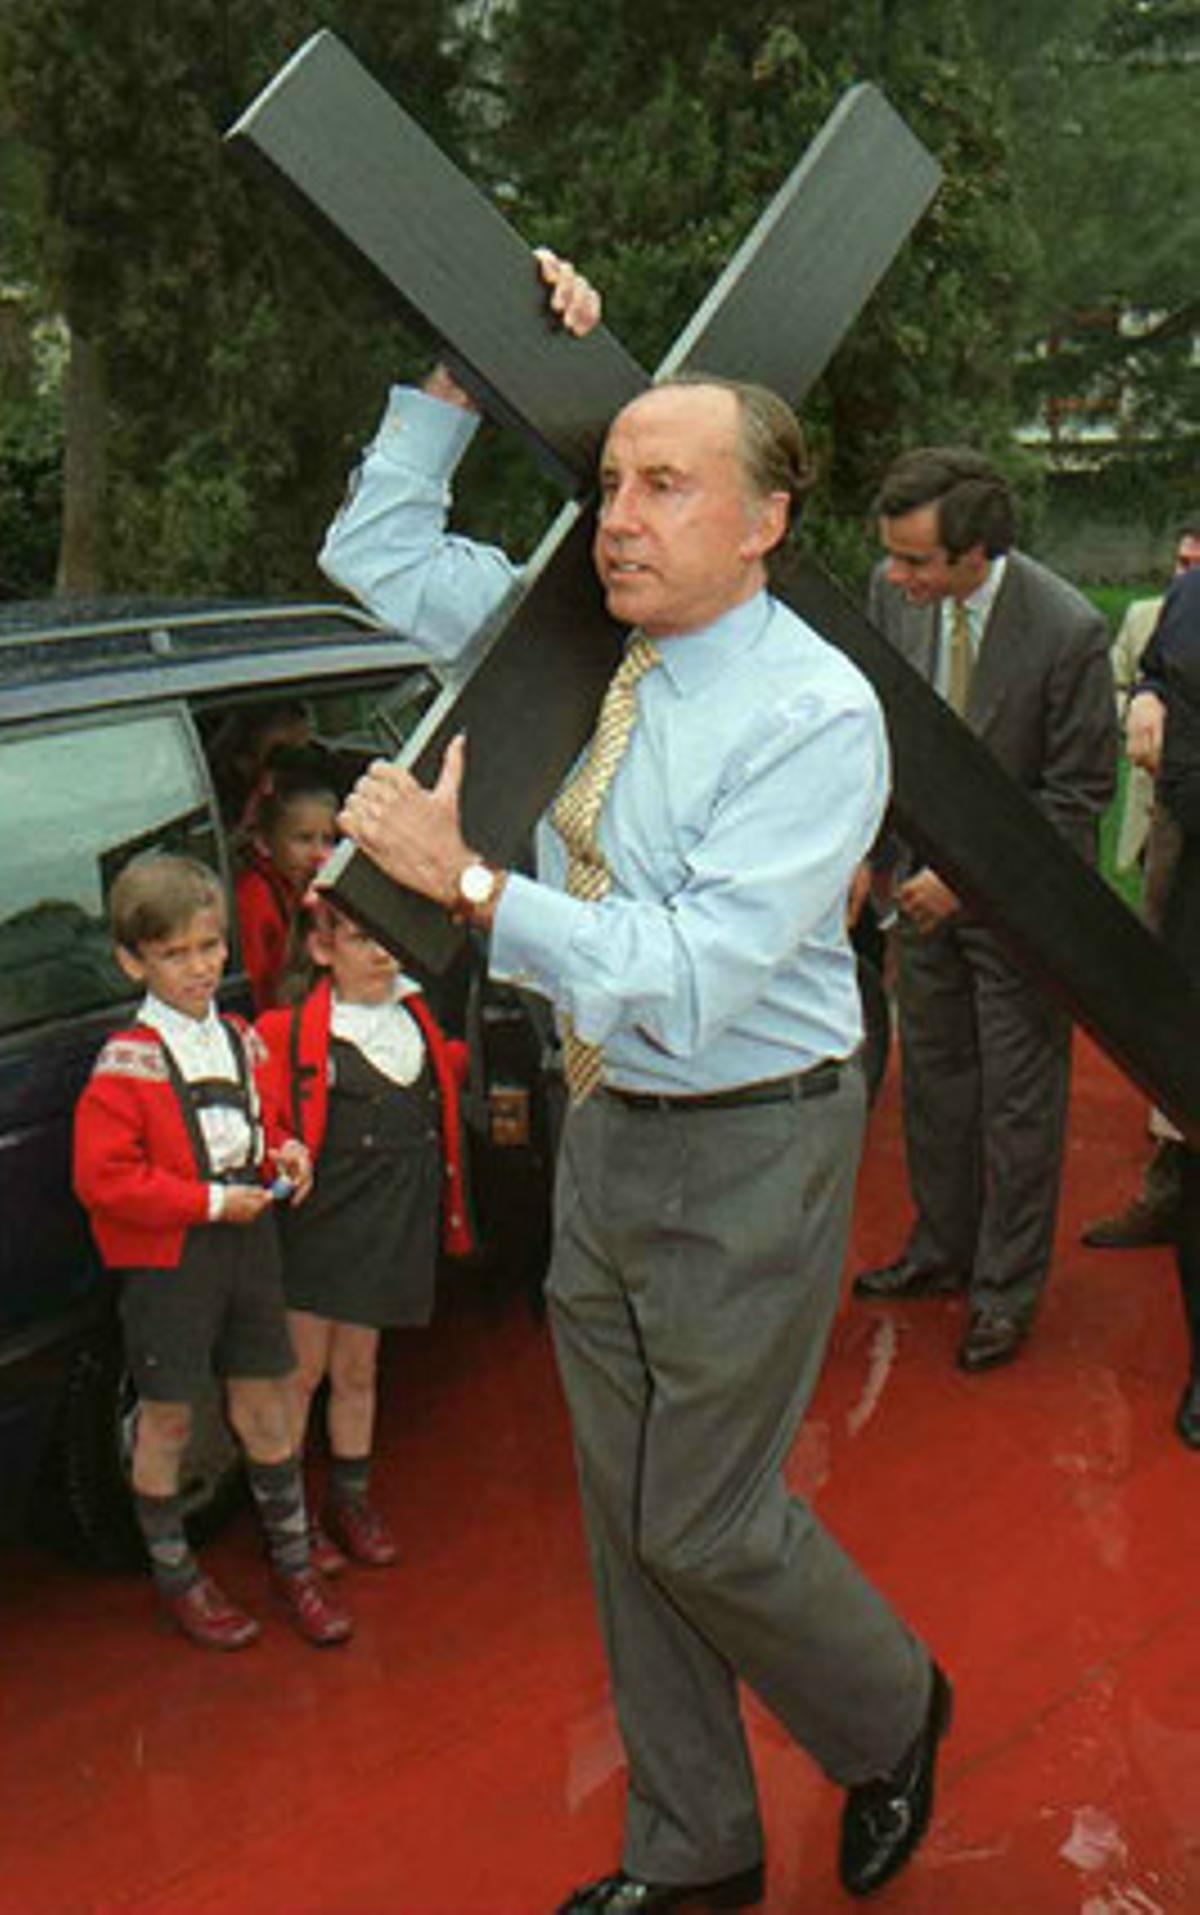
{"x": 282, "y": 1189}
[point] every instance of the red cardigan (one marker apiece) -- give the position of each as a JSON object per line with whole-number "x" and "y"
{"x": 266, "y": 907}
{"x": 135, "y": 1171}
{"x": 297, "y": 1044}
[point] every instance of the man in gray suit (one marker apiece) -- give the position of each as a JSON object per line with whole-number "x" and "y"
{"x": 1025, "y": 661}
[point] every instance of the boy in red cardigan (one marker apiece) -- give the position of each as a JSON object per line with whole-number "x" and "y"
{"x": 175, "y": 1145}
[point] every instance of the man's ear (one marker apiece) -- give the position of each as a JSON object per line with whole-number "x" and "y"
{"x": 974, "y": 562}
{"x": 771, "y": 518}
{"x": 131, "y": 964}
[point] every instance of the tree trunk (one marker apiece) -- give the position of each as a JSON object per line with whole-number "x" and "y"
{"x": 83, "y": 547}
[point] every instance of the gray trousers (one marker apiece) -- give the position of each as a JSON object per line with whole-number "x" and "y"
{"x": 986, "y": 1071}
{"x": 695, "y": 1278}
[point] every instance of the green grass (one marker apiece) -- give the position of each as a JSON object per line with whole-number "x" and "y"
{"x": 1111, "y": 600}
{"x": 1126, "y": 884}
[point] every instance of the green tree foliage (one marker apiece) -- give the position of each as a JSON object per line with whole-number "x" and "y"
{"x": 30, "y": 426}
{"x": 235, "y": 349}
{"x": 645, "y": 140}
{"x": 1110, "y": 164}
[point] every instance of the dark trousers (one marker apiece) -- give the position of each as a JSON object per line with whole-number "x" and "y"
{"x": 694, "y": 1282}
{"x": 986, "y": 1072}
{"x": 1187, "y": 1253}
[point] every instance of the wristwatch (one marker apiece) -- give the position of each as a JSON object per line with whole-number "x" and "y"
{"x": 477, "y": 885}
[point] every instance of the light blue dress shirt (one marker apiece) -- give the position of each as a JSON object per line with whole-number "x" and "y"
{"x": 754, "y": 781}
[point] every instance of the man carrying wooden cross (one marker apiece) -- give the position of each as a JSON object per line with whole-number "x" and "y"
{"x": 688, "y": 924}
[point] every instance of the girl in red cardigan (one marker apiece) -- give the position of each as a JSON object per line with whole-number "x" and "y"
{"x": 372, "y": 1087}
{"x": 289, "y": 833}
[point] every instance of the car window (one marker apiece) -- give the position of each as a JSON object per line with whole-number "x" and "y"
{"x": 380, "y": 719}
{"x": 340, "y": 727}
{"x": 77, "y": 804}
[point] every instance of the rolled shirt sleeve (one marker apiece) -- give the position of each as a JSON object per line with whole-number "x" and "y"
{"x": 389, "y": 545}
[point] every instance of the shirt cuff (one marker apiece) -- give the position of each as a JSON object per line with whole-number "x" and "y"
{"x": 419, "y": 430}
{"x": 216, "y": 1202}
{"x": 532, "y": 933}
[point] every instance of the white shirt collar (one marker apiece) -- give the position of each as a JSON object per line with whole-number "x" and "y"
{"x": 393, "y": 1044}
{"x": 177, "y": 1026}
{"x": 978, "y": 605}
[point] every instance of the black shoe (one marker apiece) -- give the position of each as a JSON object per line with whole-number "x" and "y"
{"x": 883, "y": 1821}
{"x": 1134, "y": 1228}
{"x": 990, "y": 1340}
{"x": 625, "y": 1895}
{"x": 1187, "y": 1416}
{"x": 904, "y": 1279}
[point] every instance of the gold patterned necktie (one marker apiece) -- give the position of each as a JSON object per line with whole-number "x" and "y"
{"x": 576, "y": 815}
{"x": 958, "y": 678}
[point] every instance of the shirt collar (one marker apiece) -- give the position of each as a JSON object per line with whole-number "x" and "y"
{"x": 402, "y": 987}
{"x": 693, "y": 659}
{"x": 979, "y": 604}
{"x": 170, "y": 1023}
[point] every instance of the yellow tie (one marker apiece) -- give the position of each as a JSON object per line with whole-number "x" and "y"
{"x": 958, "y": 678}
{"x": 576, "y": 815}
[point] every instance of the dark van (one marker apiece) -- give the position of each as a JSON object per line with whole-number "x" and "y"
{"x": 118, "y": 732}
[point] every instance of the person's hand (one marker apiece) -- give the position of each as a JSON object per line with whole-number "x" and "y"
{"x": 441, "y": 384}
{"x": 926, "y": 902}
{"x": 1144, "y": 724}
{"x": 411, "y": 833}
{"x": 243, "y": 1203}
{"x": 292, "y": 1161}
{"x": 574, "y": 301}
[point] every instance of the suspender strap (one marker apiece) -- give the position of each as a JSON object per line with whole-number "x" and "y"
{"x": 208, "y": 1093}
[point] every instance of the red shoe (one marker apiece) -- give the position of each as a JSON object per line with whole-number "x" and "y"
{"x": 323, "y": 1553}
{"x": 205, "y": 1615}
{"x": 314, "y": 1613}
{"x": 362, "y": 1533}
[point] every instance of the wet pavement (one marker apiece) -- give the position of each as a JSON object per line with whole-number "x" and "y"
{"x": 1038, "y": 1525}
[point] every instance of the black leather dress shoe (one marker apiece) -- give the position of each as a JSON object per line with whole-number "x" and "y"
{"x": 1187, "y": 1416}
{"x": 1134, "y": 1228}
{"x": 990, "y": 1340}
{"x": 883, "y": 1821}
{"x": 894, "y": 1281}
{"x": 626, "y": 1895}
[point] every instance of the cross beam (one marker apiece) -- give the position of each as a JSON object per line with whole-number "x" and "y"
{"x": 355, "y": 159}
{"x": 1057, "y": 917}
{"x": 776, "y": 315}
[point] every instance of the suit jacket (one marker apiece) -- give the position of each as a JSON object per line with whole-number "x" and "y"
{"x": 1172, "y": 668}
{"x": 1041, "y": 694}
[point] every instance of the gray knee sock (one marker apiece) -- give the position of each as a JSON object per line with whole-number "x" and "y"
{"x": 349, "y": 1478}
{"x": 278, "y": 1491}
{"x": 172, "y": 1564}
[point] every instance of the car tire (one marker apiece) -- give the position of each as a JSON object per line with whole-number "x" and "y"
{"x": 86, "y": 1507}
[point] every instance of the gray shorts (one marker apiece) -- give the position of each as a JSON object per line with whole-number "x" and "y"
{"x": 220, "y": 1310}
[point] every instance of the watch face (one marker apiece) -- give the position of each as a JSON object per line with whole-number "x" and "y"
{"x": 477, "y": 883}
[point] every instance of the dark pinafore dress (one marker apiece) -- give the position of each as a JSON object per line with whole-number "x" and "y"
{"x": 363, "y": 1247}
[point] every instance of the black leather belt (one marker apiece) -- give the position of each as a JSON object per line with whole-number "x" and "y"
{"x": 821, "y": 1081}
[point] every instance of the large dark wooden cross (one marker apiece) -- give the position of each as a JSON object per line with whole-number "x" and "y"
{"x": 776, "y": 314}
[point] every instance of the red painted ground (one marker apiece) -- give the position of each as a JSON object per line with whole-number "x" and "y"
{"x": 1038, "y": 1525}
